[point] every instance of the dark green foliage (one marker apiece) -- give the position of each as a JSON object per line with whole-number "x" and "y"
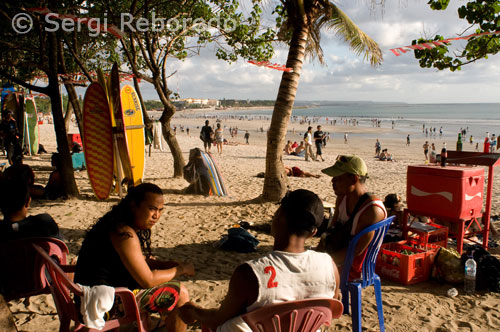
{"x": 485, "y": 17}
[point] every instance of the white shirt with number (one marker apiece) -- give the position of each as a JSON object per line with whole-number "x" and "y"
{"x": 285, "y": 276}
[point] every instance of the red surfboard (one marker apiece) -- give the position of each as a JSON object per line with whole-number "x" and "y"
{"x": 98, "y": 140}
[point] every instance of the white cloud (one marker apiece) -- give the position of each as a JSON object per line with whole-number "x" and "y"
{"x": 349, "y": 77}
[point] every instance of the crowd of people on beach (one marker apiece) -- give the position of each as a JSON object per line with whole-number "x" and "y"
{"x": 116, "y": 251}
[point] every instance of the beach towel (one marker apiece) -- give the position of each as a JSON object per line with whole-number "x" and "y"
{"x": 95, "y": 302}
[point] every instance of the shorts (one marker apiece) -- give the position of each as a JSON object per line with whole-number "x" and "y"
{"x": 319, "y": 146}
{"x": 162, "y": 298}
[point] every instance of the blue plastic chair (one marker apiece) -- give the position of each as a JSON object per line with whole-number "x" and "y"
{"x": 353, "y": 289}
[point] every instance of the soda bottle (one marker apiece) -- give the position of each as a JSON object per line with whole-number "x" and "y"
{"x": 487, "y": 143}
{"x": 470, "y": 275}
{"x": 459, "y": 142}
{"x": 444, "y": 155}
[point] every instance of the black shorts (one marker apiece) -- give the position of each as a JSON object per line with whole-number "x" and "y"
{"x": 319, "y": 146}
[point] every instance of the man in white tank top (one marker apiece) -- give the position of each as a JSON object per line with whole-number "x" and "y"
{"x": 289, "y": 272}
{"x": 349, "y": 174}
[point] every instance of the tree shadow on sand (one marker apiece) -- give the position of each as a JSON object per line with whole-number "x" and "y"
{"x": 210, "y": 263}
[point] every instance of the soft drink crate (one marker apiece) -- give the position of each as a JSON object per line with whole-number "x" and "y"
{"x": 451, "y": 192}
{"x": 406, "y": 262}
{"x": 428, "y": 233}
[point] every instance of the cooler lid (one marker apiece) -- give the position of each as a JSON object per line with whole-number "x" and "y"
{"x": 448, "y": 171}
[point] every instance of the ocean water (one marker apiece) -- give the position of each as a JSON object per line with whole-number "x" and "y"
{"x": 408, "y": 118}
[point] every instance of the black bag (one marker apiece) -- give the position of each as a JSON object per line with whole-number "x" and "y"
{"x": 240, "y": 240}
{"x": 338, "y": 236}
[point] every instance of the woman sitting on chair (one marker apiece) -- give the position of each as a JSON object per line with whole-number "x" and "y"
{"x": 117, "y": 252}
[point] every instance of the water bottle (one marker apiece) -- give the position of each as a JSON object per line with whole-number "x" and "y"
{"x": 444, "y": 155}
{"x": 470, "y": 275}
{"x": 459, "y": 142}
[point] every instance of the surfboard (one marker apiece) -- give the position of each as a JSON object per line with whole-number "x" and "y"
{"x": 216, "y": 182}
{"x": 31, "y": 125}
{"x": 98, "y": 140}
{"x": 119, "y": 128}
{"x": 134, "y": 126}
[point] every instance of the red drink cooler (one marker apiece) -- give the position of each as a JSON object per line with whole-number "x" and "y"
{"x": 451, "y": 192}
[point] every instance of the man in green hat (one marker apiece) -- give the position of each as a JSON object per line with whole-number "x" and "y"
{"x": 355, "y": 209}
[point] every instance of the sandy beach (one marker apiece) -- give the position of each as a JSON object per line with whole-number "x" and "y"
{"x": 191, "y": 224}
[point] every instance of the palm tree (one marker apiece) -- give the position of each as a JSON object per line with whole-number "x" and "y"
{"x": 304, "y": 20}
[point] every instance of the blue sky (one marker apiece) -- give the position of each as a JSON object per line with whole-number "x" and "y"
{"x": 346, "y": 76}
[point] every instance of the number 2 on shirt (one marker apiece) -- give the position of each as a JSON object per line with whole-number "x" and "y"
{"x": 271, "y": 283}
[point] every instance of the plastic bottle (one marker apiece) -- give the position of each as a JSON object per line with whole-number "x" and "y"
{"x": 487, "y": 143}
{"x": 470, "y": 275}
{"x": 444, "y": 155}
{"x": 459, "y": 142}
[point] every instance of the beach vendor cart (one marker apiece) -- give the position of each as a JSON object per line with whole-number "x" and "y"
{"x": 453, "y": 194}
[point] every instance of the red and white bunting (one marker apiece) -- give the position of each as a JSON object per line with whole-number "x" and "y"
{"x": 270, "y": 65}
{"x": 92, "y": 23}
{"x": 81, "y": 78}
{"x": 401, "y": 50}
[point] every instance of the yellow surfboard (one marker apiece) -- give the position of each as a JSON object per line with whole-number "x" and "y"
{"x": 134, "y": 126}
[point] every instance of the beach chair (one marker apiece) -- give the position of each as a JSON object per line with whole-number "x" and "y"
{"x": 61, "y": 288}
{"x": 352, "y": 289}
{"x": 294, "y": 316}
{"x": 23, "y": 272}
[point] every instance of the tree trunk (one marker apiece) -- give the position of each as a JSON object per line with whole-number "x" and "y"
{"x": 276, "y": 181}
{"x": 75, "y": 104}
{"x": 67, "y": 174}
{"x": 172, "y": 141}
{"x": 147, "y": 121}
{"x": 67, "y": 116}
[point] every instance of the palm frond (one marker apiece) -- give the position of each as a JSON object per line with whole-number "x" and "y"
{"x": 344, "y": 27}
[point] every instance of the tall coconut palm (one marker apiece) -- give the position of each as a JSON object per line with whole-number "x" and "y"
{"x": 304, "y": 20}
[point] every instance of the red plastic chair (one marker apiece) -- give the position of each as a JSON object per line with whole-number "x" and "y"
{"x": 62, "y": 287}
{"x": 294, "y": 316}
{"x": 23, "y": 272}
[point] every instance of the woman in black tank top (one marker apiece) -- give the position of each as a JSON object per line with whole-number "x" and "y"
{"x": 117, "y": 252}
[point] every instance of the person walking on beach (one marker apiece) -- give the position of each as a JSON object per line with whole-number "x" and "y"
{"x": 426, "y": 150}
{"x": 378, "y": 148}
{"x": 345, "y": 138}
{"x": 308, "y": 141}
{"x": 319, "y": 136}
{"x": 433, "y": 154}
{"x": 408, "y": 140}
{"x": 355, "y": 209}
{"x": 247, "y": 137}
{"x": 219, "y": 138}
{"x": 206, "y": 136}
{"x": 289, "y": 272}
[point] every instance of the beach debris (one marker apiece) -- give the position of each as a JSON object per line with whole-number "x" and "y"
{"x": 452, "y": 292}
